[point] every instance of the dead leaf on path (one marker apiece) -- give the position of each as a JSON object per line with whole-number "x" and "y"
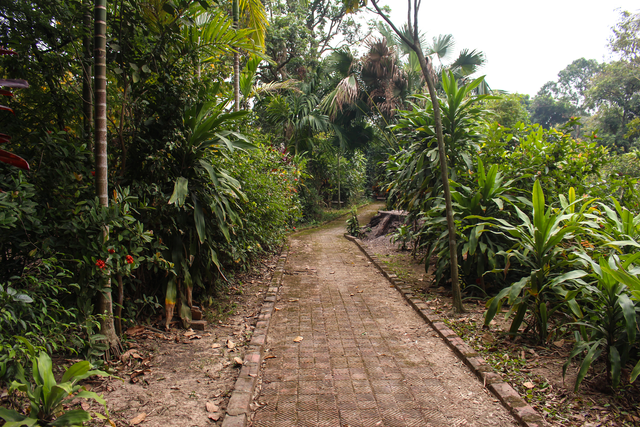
{"x": 333, "y": 272}
{"x": 278, "y": 308}
{"x": 130, "y": 353}
{"x": 211, "y": 407}
{"x": 231, "y": 344}
{"x": 214, "y": 417}
{"x": 138, "y": 419}
{"x": 134, "y": 330}
{"x": 298, "y": 339}
{"x": 270, "y": 356}
{"x": 195, "y": 337}
{"x": 351, "y": 295}
{"x": 294, "y": 300}
{"x": 189, "y": 333}
{"x": 237, "y": 360}
{"x": 529, "y": 385}
{"x": 559, "y": 343}
{"x": 216, "y": 345}
{"x": 360, "y": 292}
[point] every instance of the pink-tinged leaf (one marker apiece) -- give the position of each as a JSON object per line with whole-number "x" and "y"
{"x": 6, "y": 92}
{"x": 7, "y": 52}
{"x": 5, "y": 108}
{"x": 13, "y": 160}
{"x": 17, "y": 83}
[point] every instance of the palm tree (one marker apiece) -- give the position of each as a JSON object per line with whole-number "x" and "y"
{"x": 251, "y": 14}
{"x": 297, "y": 114}
{"x": 107, "y": 326}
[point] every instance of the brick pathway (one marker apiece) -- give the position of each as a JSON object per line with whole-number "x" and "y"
{"x": 365, "y": 358}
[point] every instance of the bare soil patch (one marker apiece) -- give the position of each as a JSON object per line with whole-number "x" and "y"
{"x": 185, "y": 377}
{"x": 534, "y": 371}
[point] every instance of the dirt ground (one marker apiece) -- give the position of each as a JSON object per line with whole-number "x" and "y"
{"x": 184, "y": 377}
{"x": 534, "y": 371}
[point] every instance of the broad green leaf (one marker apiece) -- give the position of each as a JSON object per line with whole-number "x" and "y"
{"x": 629, "y": 313}
{"x": 180, "y": 191}
{"x": 592, "y": 354}
{"x": 72, "y": 418}
{"x": 616, "y": 367}
{"x": 14, "y": 419}
{"x": 198, "y": 217}
{"x": 635, "y": 372}
{"x": 76, "y": 369}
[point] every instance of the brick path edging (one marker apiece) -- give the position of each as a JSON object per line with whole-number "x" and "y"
{"x": 519, "y": 408}
{"x": 239, "y": 407}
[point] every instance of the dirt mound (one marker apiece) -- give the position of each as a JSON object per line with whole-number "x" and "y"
{"x": 385, "y": 222}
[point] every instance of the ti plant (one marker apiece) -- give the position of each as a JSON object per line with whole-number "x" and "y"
{"x": 5, "y": 156}
{"x": 610, "y": 321}
{"x": 404, "y": 235}
{"x": 538, "y": 249}
{"x": 353, "y": 226}
{"x": 48, "y": 397}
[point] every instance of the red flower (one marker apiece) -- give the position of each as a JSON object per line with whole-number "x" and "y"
{"x": 93, "y": 173}
{"x": 129, "y": 259}
{"x": 112, "y": 251}
{"x": 100, "y": 264}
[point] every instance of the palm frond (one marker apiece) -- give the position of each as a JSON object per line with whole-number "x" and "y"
{"x": 441, "y": 46}
{"x": 468, "y": 62}
{"x": 255, "y": 19}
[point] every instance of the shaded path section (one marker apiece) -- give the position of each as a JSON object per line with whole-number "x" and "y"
{"x": 365, "y": 357}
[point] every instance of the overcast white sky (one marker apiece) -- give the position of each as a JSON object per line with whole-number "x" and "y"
{"x": 526, "y": 43}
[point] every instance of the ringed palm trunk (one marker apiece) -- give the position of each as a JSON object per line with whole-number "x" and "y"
{"x": 236, "y": 60}
{"x": 105, "y": 306}
{"x": 87, "y": 94}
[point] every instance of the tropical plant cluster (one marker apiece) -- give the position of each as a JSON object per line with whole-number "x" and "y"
{"x": 228, "y": 123}
{"x": 560, "y": 265}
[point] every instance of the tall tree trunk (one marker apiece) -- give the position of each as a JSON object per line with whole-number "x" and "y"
{"x": 87, "y": 94}
{"x": 339, "y": 204}
{"x": 414, "y": 44}
{"x": 236, "y": 60}
{"x": 105, "y": 307}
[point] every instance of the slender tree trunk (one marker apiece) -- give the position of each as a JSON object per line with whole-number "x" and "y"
{"x": 444, "y": 170}
{"x": 87, "y": 94}
{"x": 414, "y": 44}
{"x": 339, "y": 204}
{"x": 105, "y": 307}
{"x": 236, "y": 60}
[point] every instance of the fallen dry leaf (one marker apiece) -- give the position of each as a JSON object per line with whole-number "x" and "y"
{"x": 189, "y": 333}
{"x": 216, "y": 345}
{"x": 134, "y": 330}
{"x": 211, "y": 407}
{"x": 298, "y": 339}
{"x": 214, "y": 417}
{"x": 237, "y": 360}
{"x": 231, "y": 344}
{"x": 559, "y": 343}
{"x": 529, "y": 385}
{"x": 270, "y": 356}
{"x": 138, "y": 419}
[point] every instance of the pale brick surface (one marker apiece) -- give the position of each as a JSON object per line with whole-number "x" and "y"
{"x": 366, "y": 357}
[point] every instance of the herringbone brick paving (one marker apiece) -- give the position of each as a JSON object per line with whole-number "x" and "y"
{"x": 365, "y": 358}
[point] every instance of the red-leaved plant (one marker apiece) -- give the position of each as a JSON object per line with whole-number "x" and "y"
{"x": 5, "y": 156}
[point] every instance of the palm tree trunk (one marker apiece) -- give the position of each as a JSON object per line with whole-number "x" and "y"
{"x": 105, "y": 307}
{"x": 339, "y": 204}
{"x": 236, "y": 60}
{"x": 87, "y": 94}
